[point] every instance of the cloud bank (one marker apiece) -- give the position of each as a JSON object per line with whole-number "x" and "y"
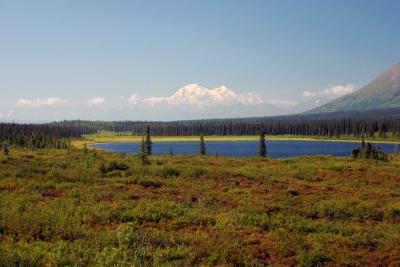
{"x": 51, "y": 101}
{"x": 192, "y": 101}
{"x": 6, "y": 114}
{"x": 96, "y": 101}
{"x": 282, "y": 102}
{"x": 334, "y": 90}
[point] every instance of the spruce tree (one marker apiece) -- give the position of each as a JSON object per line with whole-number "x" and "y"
{"x": 368, "y": 151}
{"x": 143, "y": 146}
{"x": 6, "y": 151}
{"x": 85, "y": 150}
{"x": 262, "y": 148}
{"x": 143, "y": 152}
{"x": 202, "y": 148}
{"x": 148, "y": 142}
{"x": 69, "y": 146}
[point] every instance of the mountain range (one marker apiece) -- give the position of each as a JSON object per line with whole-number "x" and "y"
{"x": 381, "y": 93}
{"x": 194, "y": 101}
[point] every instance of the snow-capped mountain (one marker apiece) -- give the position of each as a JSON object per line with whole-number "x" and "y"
{"x": 192, "y": 101}
{"x": 199, "y": 97}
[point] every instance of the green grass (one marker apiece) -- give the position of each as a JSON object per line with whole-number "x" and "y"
{"x": 60, "y": 209}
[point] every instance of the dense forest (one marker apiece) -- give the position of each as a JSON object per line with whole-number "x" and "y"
{"x": 337, "y": 127}
{"x": 38, "y": 136}
{"x": 359, "y": 124}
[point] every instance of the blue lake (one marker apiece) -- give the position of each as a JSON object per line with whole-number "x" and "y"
{"x": 275, "y": 149}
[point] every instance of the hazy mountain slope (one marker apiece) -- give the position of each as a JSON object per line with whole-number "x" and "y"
{"x": 308, "y": 104}
{"x": 383, "y": 92}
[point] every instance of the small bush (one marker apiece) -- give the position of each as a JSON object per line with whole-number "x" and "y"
{"x": 306, "y": 175}
{"x": 348, "y": 209}
{"x": 195, "y": 173}
{"x": 145, "y": 182}
{"x": 113, "y": 166}
{"x": 168, "y": 171}
{"x": 394, "y": 214}
{"x": 313, "y": 257}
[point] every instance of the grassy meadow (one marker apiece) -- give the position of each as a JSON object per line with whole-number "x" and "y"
{"x": 60, "y": 208}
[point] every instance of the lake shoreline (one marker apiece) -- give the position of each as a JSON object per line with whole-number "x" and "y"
{"x": 275, "y": 148}
{"x": 90, "y": 140}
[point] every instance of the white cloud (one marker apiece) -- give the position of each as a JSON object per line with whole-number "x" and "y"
{"x": 54, "y": 101}
{"x": 279, "y": 102}
{"x": 309, "y": 94}
{"x": 198, "y": 96}
{"x": 96, "y": 101}
{"x": 51, "y": 101}
{"x": 7, "y": 114}
{"x": 135, "y": 99}
{"x": 340, "y": 90}
{"x": 24, "y": 102}
{"x": 333, "y": 90}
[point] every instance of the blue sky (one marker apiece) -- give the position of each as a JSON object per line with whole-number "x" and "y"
{"x": 74, "y": 52}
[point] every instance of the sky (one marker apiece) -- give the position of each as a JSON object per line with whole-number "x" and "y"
{"x": 129, "y": 59}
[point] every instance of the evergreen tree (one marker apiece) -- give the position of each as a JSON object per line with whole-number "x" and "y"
{"x": 202, "y": 148}
{"x": 69, "y": 146}
{"x": 368, "y": 151}
{"x": 148, "y": 142}
{"x": 6, "y": 151}
{"x": 85, "y": 150}
{"x": 171, "y": 153}
{"x": 356, "y": 153}
{"x": 262, "y": 148}
{"x": 143, "y": 152}
{"x": 143, "y": 146}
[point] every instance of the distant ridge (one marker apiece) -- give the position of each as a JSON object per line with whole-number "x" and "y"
{"x": 381, "y": 93}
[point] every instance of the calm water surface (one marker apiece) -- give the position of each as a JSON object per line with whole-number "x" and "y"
{"x": 275, "y": 149}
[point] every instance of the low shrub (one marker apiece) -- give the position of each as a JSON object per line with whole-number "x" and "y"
{"x": 113, "y": 166}
{"x": 315, "y": 257}
{"x": 169, "y": 171}
{"x": 195, "y": 172}
{"x": 143, "y": 181}
{"x": 308, "y": 175}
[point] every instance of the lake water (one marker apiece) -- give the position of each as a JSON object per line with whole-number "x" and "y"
{"x": 275, "y": 149}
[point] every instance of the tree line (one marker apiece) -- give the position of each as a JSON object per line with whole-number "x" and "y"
{"x": 38, "y": 136}
{"x": 58, "y": 134}
{"x": 332, "y": 127}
